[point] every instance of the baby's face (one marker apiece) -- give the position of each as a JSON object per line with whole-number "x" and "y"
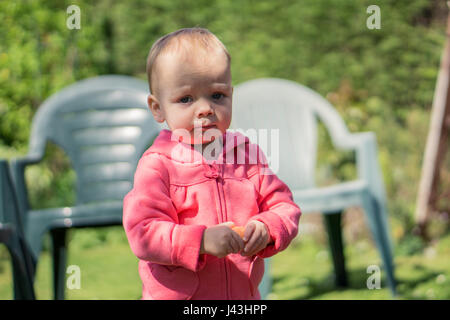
{"x": 193, "y": 91}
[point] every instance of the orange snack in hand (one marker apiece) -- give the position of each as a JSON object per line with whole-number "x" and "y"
{"x": 239, "y": 230}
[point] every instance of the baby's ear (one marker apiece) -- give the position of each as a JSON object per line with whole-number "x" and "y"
{"x": 155, "y": 108}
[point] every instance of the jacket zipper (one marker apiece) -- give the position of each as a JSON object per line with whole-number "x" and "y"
{"x": 222, "y": 201}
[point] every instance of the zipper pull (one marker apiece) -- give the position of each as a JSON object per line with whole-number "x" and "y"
{"x": 212, "y": 172}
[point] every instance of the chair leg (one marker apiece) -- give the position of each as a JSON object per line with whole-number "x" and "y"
{"x": 265, "y": 287}
{"x": 333, "y": 226}
{"x": 377, "y": 219}
{"x": 23, "y": 286}
{"x": 33, "y": 244}
{"x": 30, "y": 262}
{"x": 22, "y": 280}
{"x": 58, "y": 237}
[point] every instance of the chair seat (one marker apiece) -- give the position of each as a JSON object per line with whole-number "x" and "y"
{"x": 333, "y": 198}
{"x": 108, "y": 213}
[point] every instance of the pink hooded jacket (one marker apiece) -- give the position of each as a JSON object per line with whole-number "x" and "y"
{"x": 177, "y": 193}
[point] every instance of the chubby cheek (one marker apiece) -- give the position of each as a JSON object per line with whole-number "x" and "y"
{"x": 178, "y": 120}
{"x": 225, "y": 121}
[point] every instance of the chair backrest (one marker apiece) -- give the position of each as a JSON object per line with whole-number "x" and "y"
{"x": 293, "y": 110}
{"x": 103, "y": 124}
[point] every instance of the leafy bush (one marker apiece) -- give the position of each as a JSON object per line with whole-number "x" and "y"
{"x": 379, "y": 80}
{"x": 410, "y": 245}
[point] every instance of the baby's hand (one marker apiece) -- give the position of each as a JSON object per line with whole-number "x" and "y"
{"x": 220, "y": 240}
{"x": 256, "y": 237}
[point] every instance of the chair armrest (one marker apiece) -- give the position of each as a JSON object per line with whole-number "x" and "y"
{"x": 365, "y": 145}
{"x": 331, "y": 199}
{"x": 368, "y": 168}
{"x": 368, "y": 165}
{"x": 17, "y": 168}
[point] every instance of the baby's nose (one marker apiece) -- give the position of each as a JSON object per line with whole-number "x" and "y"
{"x": 204, "y": 109}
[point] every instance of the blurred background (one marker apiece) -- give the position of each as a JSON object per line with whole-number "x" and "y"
{"x": 379, "y": 80}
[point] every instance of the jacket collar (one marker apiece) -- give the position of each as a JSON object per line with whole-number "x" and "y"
{"x": 168, "y": 145}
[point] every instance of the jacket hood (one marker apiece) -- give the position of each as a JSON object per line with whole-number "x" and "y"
{"x": 168, "y": 144}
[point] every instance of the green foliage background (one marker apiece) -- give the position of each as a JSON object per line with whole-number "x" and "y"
{"x": 379, "y": 80}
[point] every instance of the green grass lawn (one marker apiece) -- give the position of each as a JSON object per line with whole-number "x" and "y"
{"x": 303, "y": 271}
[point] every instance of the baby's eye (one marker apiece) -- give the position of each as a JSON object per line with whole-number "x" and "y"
{"x": 186, "y": 99}
{"x": 217, "y": 95}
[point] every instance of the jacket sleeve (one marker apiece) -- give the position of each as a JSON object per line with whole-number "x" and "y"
{"x": 278, "y": 211}
{"x": 150, "y": 220}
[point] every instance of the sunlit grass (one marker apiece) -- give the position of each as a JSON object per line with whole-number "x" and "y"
{"x": 303, "y": 271}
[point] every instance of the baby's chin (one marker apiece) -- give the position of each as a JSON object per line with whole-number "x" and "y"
{"x": 206, "y": 138}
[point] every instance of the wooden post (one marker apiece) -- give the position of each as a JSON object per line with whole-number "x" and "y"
{"x": 437, "y": 141}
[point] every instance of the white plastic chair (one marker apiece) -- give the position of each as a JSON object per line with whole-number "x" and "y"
{"x": 294, "y": 109}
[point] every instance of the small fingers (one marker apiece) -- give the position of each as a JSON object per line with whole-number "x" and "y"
{"x": 236, "y": 242}
{"x": 249, "y": 229}
{"x": 253, "y": 243}
{"x": 239, "y": 242}
{"x": 230, "y": 248}
{"x": 234, "y": 246}
{"x": 226, "y": 250}
{"x": 259, "y": 247}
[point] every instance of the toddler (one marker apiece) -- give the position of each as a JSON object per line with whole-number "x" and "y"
{"x": 198, "y": 180}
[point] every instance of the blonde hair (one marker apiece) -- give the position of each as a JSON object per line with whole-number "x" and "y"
{"x": 200, "y": 37}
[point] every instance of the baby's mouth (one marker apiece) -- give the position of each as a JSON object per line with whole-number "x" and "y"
{"x": 202, "y": 135}
{"x": 211, "y": 126}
